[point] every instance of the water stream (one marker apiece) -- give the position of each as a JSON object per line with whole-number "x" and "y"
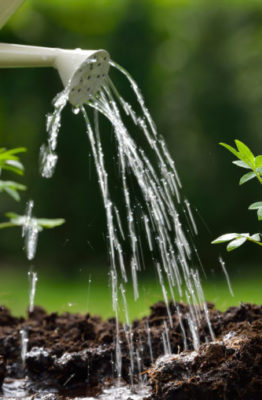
{"x": 33, "y": 278}
{"x": 156, "y": 213}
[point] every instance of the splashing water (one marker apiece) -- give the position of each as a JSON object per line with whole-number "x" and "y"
{"x": 124, "y": 393}
{"x": 156, "y": 209}
{"x": 23, "y": 389}
{"x": 24, "y": 345}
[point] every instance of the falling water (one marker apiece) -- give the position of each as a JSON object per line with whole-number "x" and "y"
{"x": 166, "y": 340}
{"x": 30, "y": 231}
{"x": 159, "y": 214}
{"x": 159, "y": 186}
{"x": 33, "y": 278}
{"x": 223, "y": 266}
{"x": 48, "y": 157}
{"x": 192, "y": 220}
{"x": 128, "y": 332}
{"x": 149, "y": 342}
{"x": 118, "y": 360}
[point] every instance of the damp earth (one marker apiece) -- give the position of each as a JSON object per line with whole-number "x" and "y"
{"x": 73, "y": 355}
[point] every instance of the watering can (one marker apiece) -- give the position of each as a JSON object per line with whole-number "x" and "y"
{"x": 81, "y": 71}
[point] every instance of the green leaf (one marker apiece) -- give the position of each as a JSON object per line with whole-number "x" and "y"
{"x": 10, "y": 161}
{"x": 13, "y": 193}
{"x": 258, "y": 161}
{"x": 11, "y": 215}
{"x": 5, "y": 156}
{"x": 14, "y": 166}
{"x": 6, "y": 225}
{"x": 247, "y": 177}
{"x": 234, "y": 244}
{"x": 259, "y": 214}
{"x": 15, "y": 163}
{"x": 241, "y": 164}
{"x": 245, "y": 153}
{"x": 15, "y": 185}
{"x": 10, "y": 154}
{"x": 11, "y": 184}
{"x": 238, "y": 239}
{"x": 256, "y": 237}
{"x": 225, "y": 238}
{"x": 50, "y": 223}
{"x": 20, "y": 220}
{"x": 230, "y": 148}
{"x": 17, "y": 150}
{"x": 255, "y": 206}
{"x": 12, "y": 188}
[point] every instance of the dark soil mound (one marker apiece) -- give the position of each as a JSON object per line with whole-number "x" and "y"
{"x": 72, "y": 351}
{"x": 226, "y": 369}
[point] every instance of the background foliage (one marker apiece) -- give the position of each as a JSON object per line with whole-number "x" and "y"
{"x": 199, "y": 67}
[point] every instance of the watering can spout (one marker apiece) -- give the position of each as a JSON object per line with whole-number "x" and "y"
{"x": 82, "y": 71}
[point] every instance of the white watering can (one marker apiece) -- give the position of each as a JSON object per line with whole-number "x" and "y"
{"x": 83, "y": 71}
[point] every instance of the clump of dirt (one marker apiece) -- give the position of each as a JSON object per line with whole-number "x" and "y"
{"x": 72, "y": 351}
{"x": 2, "y": 370}
{"x": 230, "y": 368}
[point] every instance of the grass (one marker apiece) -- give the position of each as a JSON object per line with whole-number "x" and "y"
{"x": 55, "y": 292}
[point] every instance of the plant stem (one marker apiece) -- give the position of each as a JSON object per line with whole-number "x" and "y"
{"x": 6, "y": 225}
{"x": 255, "y": 241}
{"x": 258, "y": 176}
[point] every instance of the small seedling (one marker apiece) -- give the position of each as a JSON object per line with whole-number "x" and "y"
{"x": 24, "y": 220}
{"x": 31, "y": 226}
{"x": 9, "y": 160}
{"x": 246, "y": 160}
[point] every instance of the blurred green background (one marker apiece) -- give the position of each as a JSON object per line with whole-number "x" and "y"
{"x": 199, "y": 66}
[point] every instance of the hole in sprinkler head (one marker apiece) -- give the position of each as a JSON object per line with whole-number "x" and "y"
{"x": 99, "y": 64}
{"x": 91, "y": 67}
{"x": 98, "y": 76}
{"x": 105, "y": 58}
{"x": 89, "y": 77}
{"x": 79, "y": 90}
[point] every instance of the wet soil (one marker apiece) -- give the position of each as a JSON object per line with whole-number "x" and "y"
{"x": 75, "y": 354}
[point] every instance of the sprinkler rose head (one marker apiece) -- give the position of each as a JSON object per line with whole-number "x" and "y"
{"x": 83, "y": 72}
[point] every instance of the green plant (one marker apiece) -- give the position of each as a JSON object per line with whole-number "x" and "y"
{"x": 246, "y": 160}
{"x": 31, "y": 226}
{"x": 9, "y": 160}
{"x": 22, "y": 220}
